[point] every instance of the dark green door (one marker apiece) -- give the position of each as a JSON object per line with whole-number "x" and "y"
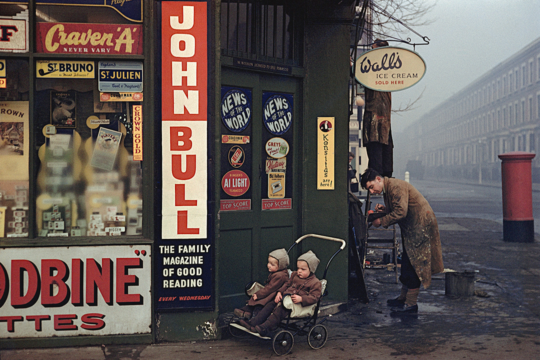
{"x": 247, "y": 236}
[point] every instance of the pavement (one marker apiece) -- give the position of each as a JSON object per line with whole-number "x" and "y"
{"x": 501, "y": 321}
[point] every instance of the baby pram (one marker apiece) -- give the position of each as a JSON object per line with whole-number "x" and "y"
{"x": 302, "y": 320}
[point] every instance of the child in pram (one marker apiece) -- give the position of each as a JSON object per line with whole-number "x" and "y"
{"x": 278, "y": 261}
{"x": 303, "y": 287}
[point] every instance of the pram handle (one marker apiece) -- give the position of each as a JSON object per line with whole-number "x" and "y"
{"x": 343, "y": 243}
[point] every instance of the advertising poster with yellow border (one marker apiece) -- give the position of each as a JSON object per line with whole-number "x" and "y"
{"x": 325, "y": 153}
{"x": 65, "y": 69}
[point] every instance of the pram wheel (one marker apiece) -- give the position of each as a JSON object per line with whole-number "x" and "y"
{"x": 317, "y": 336}
{"x": 283, "y": 342}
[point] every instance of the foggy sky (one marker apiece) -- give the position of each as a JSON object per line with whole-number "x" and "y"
{"x": 468, "y": 38}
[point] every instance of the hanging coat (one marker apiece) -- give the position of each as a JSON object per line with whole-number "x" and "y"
{"x": 419, "y": 230}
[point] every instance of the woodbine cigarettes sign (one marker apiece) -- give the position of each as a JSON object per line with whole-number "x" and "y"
{"x": 389, "y": 69}
{"x": 75, "y": 291}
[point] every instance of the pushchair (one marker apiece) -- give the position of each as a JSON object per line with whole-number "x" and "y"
{"x": 301, "y": 321}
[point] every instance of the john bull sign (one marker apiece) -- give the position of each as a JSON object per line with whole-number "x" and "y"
{"x": 389, "y": 69}
{"x": 75, "y": 291}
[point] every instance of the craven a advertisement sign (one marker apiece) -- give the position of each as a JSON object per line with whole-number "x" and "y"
{"x": 13, "y": 36}
{"x": 389, "y": 69}
{"x": 89, "y": 39}
{"x": 75, "y": 291}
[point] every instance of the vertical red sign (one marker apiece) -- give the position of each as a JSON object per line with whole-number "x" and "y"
{"x": 184, "y": 119}
{"x": 184, "y": 58}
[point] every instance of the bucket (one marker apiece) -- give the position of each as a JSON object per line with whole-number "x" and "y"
{"x": 460, "y": 283}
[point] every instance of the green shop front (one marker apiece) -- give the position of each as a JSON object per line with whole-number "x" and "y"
{"x": 152, "y": 154}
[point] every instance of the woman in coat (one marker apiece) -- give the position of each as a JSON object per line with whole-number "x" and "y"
{"x": 422, "y": 254}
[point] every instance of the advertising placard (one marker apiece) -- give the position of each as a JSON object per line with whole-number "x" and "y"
{"x": 13, "y": 35}
{"x": 75, "y": 291}
{"x": 2, "y": 68}
{"x": 89, "y": 39}
{"x": 120, "y": 96}
{"x": 389, "y": 69}
{"x": 236, "y": 167}
{"x": 14, "y": 132}
{"x": 106, "y": 149}
{"x": 325, "y": 153}
{"x": 184, "y": 262}
{"x": 137, "y": 133}
{"x": 65, "y": 69}
{"x": 278, "y": 116}
{"x": 120, "y": 76}
{"x": 184, "y": 122}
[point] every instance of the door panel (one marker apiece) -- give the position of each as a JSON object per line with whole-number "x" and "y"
{"x": 267, "y": 229}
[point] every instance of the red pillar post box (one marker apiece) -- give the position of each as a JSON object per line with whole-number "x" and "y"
{"x": 518, "y": 221}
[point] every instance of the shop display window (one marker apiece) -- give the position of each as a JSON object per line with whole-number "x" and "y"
{"x": 14, "y": 148}
{"x": 89, "y": 182}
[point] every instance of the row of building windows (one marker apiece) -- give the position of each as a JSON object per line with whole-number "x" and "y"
{"x": 513, "y": 81}
{"x": 505, "y": 117}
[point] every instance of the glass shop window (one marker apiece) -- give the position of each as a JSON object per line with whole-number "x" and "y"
{"x": 90, "y": 150}
{"x": 14, "y": 148}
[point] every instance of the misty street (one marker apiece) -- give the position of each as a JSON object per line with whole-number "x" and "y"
{"x": 452, "y": 199}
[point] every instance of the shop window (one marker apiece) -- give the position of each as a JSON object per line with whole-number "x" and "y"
{"x": 262, "y": 30}
{"x": 14, "y": 148}
{"x": 90, "y": 175}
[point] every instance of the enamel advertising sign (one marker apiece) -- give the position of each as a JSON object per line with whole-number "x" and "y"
{"x": 13, "y": 35}
{"x": 75, "y": 291}
{"x": 183, "y": 264}
{"x": 325, "y": 153}
{"x": 89, "y": 39}
{"x": 184, "y": 122}
{"x": 389, "y": 69}
{"x": 120, "y": 76}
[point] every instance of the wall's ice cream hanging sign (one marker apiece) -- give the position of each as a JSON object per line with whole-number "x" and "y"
{"x": 235, "y": 183}
{"x": 277, "y": 148}
{"x": 389, "y": 69}
{"x": 236, "y": 109}
{"x": 325, "y": 153}
{"x": 278, "y": 114}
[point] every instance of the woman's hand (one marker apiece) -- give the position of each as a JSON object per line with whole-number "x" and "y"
{"x": 254, "y": 296}
{"x": 278, "y": 297}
